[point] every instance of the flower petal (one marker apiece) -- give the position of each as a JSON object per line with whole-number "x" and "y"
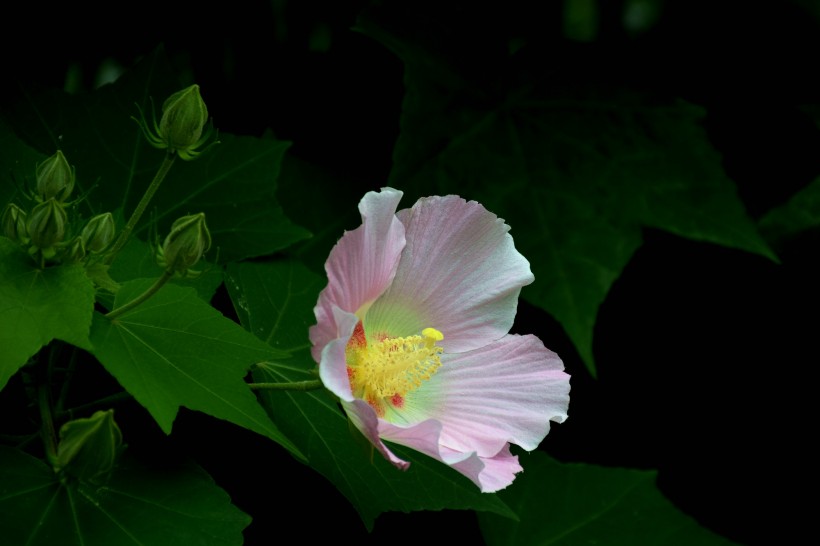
{"x": 361, "y": 265}
{"x": 459, "y": 273}
{"x": 506, "y": 392}
{"x": 488, "y": 473}
{"x": 493, "y": 473}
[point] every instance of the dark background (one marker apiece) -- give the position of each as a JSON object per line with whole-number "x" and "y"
{"x": 705, "y": 354}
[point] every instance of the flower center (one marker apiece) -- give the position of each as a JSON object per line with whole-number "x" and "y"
{"x": 386, "y": 370}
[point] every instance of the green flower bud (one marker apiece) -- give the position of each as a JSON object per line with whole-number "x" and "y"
{"x": 55, "y": 178}
{"x": 182, "y": 128}
{"x": 74, "y": 251}
{"x": 47, "y": 226}
{"x": 99, "y": 232}
{"x": 14, "y": 223}
{"x": 184, "y": 115}
{"x": 188, "y": 240}
{"x": 89, "y": 447}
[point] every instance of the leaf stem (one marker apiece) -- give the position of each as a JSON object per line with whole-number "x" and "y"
{"x": 291, "y": 386}
{"x": 47, "y": 430}
{"x": 166, "y": 275}
{"x": 141, "y": 206}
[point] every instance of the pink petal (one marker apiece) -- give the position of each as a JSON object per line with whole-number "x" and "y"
{"x": 361, "y": 265}
{"x": 506, "y": 392}
{"x": 459, "y": 273}
{"x": 488, "y": 473}
{"x": 493, "y": 473}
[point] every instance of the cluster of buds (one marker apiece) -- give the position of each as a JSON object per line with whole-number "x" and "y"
{"x": 46, "y": 229}
{"x": 49, "y": 233}
{"x": 182, "y": 128}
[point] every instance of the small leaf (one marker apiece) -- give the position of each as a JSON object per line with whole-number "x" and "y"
{"x": 175, "y": 505}
{"x": 570, "y": 504}
{"x": 39, "y": 305}
{"x": 176, "y": 350}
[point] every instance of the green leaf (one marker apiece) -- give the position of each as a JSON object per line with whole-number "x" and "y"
{"x": 137, "y": 505}
{"x": 569, "y": 504}
{"x": 281, "y": 295}
{"x": 234, "y": 183}
{"x": 275, "y": 301}
{"x": 799, "y": 214}
{"x": 176, "y": 350}
{"x": 38, "y": 306}
{"x": 575, "y": 171}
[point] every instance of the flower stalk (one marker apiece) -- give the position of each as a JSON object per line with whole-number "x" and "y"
{"x": 167, "y": 163}
{"x": 153, "y": 289}
{"x": 288, "y": 386}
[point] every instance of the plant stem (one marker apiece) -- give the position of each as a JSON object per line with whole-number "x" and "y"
{"x": 166, "y": 275}
{"x": 143, "y": 204}
{"x": 293, "y": 386}
{"x": 47, "y": 426}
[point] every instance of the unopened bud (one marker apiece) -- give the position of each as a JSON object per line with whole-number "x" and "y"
{"x": 47, "y": 225}
{"x": 14, "y": 223}
{"x": 74, "y": 251}
{"x": 99, "y": 232}
{"x": 184, "y": 116}
{"x": 89, "y": 447}
{"x": 55, "y": 178}
{"x": 188, "y": 240}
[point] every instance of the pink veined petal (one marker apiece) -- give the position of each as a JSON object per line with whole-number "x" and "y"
{"x": 488, "y": 473}
{"x": 361, "y": 266}
{"x": 505, "y": 392}
{"x": 459, "y": 273}
{"x": 495, "y": 473}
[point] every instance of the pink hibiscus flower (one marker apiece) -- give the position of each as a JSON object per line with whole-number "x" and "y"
{"x": 412, "y": 337}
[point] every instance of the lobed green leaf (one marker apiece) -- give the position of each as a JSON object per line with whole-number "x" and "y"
{"x": 176, "y": 350}
{"x": 137, "y": 505}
